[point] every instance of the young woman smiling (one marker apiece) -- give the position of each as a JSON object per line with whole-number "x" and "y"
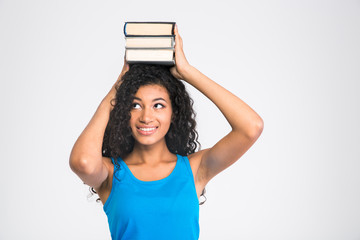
{"x": 140, "y": 149}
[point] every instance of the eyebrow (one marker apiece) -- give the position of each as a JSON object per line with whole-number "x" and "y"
{"x": 154, "y": 100}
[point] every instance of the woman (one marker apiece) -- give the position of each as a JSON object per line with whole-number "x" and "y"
{"x": 139, "y": 154}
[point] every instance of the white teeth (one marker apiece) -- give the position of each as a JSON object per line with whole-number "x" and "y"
{"x": 147, "y": 129}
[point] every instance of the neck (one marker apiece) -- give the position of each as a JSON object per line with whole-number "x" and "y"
{"x": 150, "y": 155}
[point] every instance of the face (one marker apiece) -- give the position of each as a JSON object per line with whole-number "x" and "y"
{"x": 151, "y": 115}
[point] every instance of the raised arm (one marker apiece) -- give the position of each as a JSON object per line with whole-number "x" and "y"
{"x": 246, "y": 124}
{"x": 86, "y": 158}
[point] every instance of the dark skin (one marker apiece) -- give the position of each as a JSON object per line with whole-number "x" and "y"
{"x": 150, "y": 159}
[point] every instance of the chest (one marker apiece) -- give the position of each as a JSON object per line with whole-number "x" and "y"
{"x": 144, "y": 173}
{"x": 154, "y": 174}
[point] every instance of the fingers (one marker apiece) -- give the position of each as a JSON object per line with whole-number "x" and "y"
{"x": 178, "y": 39}
{"x": 179, "y": 52}
{"x": 125, "y": 66}
{"x": 123, "y": 71}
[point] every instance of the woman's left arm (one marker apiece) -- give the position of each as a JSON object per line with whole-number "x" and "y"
{"x": 246, "y": 124}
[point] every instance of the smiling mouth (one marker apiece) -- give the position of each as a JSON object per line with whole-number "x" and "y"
{"x": 146, "y": 131}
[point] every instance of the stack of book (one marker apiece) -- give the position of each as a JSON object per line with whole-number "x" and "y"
{"x": 150, "y": 42}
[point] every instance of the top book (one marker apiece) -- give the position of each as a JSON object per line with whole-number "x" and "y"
{"x": 149, "y": 28}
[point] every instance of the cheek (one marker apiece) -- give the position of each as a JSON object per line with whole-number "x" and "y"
{"x": 167, "y": 118}
{"x": 132, "y": 119}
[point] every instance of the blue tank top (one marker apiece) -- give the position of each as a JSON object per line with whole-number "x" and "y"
{"x": 145, "y": 210}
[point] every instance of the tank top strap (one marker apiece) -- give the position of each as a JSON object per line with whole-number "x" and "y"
{"x": 118, "y": 170}
{"x": 118, "y": 175}
{"x": 187, "y": 167}
{"x": 112, "y": 160}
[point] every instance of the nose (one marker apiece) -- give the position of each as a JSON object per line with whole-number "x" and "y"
{"x": 146, "y": 116}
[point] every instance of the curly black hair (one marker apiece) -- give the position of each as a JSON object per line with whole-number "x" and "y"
{"x": 182, "y": 137}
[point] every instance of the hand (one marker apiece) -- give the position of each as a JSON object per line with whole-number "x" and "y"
{"x": 123, "y": 71}
{"x": 181, "y": 64}
{"x": 112, "y": 92}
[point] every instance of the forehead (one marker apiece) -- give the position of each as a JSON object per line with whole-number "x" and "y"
{"x": 150, "y": 92}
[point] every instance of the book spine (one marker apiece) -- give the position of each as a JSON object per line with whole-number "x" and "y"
{"x": 172, "y": 28}
{"x": 149, "y": 49}
{"x": 170, "y": 37}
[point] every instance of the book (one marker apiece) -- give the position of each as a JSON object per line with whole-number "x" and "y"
{"x": 149, "y": 28}
{"x": 150, "y": 42}
{"x": 163, "y": 56}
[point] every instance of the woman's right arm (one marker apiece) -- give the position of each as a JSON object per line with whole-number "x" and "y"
{"x": 86, "y": 158}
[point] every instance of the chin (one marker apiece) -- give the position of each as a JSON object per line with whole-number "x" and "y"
{"x": 147, "y": 140}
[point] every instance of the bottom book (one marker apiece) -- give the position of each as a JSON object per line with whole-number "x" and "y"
{"x": 150, "y": 56}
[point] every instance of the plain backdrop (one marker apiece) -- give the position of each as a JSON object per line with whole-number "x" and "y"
{"x": 296, "y": 63}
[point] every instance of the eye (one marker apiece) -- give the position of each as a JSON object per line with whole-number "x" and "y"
{"x": 158, "y": 106}
{"x": 136, "y": 106}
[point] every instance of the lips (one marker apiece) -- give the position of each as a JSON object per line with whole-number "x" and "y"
{"x": 146, "y": 130}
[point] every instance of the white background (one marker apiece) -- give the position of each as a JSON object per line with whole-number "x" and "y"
{"x": 296, "y": 63}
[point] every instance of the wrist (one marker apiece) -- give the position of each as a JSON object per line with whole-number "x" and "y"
{"x": 188, "y": 71}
